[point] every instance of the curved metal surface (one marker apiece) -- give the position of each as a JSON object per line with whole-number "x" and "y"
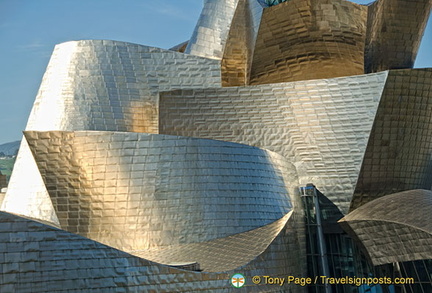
{"x": 137, "y": 191}
{"x": 61, "y": 261}
{"x": 321, "y": 126}
{"x": 100, "y": 85}
{"x": 399, "y": 149}
{"x": 300, "y": 40}
{"x": 27, "y": 194}
{"x": 220, "y": 254}
{"x": 223, "y": 205}
{"x": 212, "y": 29}
{"x": 395, "y": 30}
{"x": 238, "y": 52}
{"x": 180, "y": 47}
{"x": 394, "y": 228}
{"x": 113, "y": 86}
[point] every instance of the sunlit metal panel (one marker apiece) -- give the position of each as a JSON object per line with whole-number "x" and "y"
{"x": 100, "y": 85}
{"x": 321, "y": 126}
{"x": 394, "y": 228}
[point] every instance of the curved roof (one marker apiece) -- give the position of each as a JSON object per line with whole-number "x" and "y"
{"x": 394, "y": 228}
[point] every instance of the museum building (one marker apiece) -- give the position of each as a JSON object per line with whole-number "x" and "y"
{"x": 285, "y": 138}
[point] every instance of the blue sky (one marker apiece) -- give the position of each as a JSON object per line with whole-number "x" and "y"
{"x": 29, "y": 30}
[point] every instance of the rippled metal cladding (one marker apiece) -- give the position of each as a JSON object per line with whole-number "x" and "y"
{"x": 153, "y": 170}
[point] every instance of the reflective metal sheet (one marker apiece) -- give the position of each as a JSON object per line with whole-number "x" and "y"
{"x": 395, "y": 29}
{"x": 40, "y": 258}
{"x": 138, "y": 191}
{"x": 240, "y": 45}
{"x": 321, "y": 126}
{"x": 211, "y": 31}
{"x": 300, "y": 40}
{"x": 220, "y": 254}
{"x": 320, "y": 129}
{"x": 100, "y": 85}
{"x": 399, "y": 150}
{"x": 394, "y": 228}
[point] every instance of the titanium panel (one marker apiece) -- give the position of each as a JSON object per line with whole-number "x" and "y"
{"x": 394, "y": 228}
{"x": 238, "y": 52}
{"x": 395, "y": 30}
{"x": 180, "y": 47}
{"x": 309, "y": 39}
{"x": 212, "y": 29}
{"x": 137, "y": 191}
{"x": 113, "y": 86}
{"x": 321, "y": 126}
{"x": 399, "y": 151}
{"x": 221, "y": 254}
{"x": 100, "y": 85}
{"x": 40, "y": 258}
{"x": 27, "y": 194}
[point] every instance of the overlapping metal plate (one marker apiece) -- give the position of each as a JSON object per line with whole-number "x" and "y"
{"x": 394, "y": 228}
{"x": 136, "y": 191}
{"x": 99, "y": 85}
{"x": 321, "y": 126}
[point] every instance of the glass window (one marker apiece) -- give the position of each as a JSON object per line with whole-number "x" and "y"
{"x": 268, "y": 3}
